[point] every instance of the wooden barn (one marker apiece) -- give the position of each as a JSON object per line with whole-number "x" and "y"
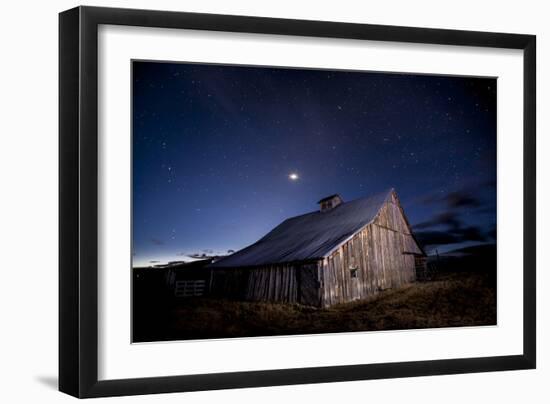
{"x": 343, "y": 252}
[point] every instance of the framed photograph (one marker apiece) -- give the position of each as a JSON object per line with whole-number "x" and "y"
{"x": 251, "y": 201}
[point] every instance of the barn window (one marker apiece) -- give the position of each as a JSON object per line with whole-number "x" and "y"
{"x": 353, "y": 272}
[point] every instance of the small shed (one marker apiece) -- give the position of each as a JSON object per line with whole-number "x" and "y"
{"x": 342, "y": 252}
{"x": 189, "y": 279}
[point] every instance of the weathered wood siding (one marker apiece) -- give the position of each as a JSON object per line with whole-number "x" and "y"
{"x": 277, "y": 283}
{"x": 381, "y": 256}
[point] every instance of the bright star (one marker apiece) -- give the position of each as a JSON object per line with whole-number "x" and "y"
{"x": 293, "y": 176}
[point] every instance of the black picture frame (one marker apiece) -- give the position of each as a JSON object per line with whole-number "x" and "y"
{"x": 78, "y": 203}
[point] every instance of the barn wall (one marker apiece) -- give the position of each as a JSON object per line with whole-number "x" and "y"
{"x": 381, "y": 254}
{"x": 277, "y": 283}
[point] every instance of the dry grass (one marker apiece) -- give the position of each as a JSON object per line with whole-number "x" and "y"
{"x": 459, "y": 299}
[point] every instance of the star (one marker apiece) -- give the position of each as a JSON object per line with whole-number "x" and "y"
{"x": 293, "y": 176}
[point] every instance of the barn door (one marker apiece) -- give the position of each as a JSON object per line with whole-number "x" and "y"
{"x": 308, "y": 285}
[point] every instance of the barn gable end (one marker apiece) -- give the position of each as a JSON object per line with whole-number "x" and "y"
{"x": 380, "y": 256}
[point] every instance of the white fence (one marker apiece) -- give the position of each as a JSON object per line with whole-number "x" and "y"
{"x": 190, "y": 288}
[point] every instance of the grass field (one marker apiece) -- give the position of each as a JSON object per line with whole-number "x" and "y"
{"x": 448, "y": 300}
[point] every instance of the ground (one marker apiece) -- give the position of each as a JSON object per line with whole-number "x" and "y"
{"x": 449, "y": 299}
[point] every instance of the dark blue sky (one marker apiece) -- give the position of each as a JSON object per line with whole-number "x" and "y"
{"x": 214, "y": 145}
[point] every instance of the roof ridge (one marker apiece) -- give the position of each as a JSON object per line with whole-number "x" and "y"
{"x": 386, "y": 193}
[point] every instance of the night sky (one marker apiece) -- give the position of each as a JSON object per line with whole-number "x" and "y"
{"x": 222, "y": 154}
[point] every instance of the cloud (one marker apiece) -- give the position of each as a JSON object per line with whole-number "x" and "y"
{"x": 429, "y": 238}
{"x": 459, "y": 235}
{"x": 447, "y": 228}
{"x": 448, "y": 219}
{"x": 471, "y": 233}
{"x": 457, "y": 199}
{"x": 461, "y": 199}
{"x": 207, "y": 253}
{"x": 198, "y": 255}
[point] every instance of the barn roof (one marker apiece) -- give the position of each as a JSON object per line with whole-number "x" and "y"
{"x": 309, "y": 237}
